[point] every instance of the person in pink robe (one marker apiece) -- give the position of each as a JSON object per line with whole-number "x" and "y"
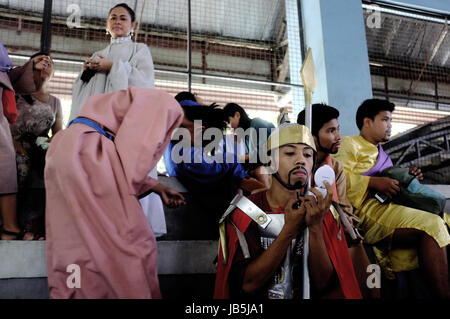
{"x": 99, "y": 242}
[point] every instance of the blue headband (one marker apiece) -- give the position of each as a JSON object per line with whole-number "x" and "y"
{"x": 189, "y": 103}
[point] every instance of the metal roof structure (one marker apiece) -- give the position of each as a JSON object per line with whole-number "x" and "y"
{"x": 409, "y": 39}
{"x": 426, "y": 146}
{"x": 410, "y": 59}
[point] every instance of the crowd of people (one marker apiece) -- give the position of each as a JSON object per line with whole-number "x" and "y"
{"x": 91, "y": 190}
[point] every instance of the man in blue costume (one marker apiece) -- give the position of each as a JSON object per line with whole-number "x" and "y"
{"x": 211, "y": 175}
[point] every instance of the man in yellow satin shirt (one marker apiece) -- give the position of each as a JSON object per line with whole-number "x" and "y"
{"x": 404, "y": 238}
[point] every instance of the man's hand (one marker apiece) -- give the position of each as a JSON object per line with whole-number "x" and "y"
{"x": 352, "y": 219}
{"x": 169, "y": 196}
{"x": 293, "y": 218}
{"x": 317, "y": 208}
{"x": 384, "y": 185}
{"x": 41, "y": 62}
{"x": 251, "y": 185}
{"x": 416, "y": 172}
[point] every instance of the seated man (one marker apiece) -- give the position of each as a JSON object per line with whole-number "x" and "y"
{"x": 212, "y": 183}
{"x": 262, "y": 251}
{"x": 390, "y": 225}
{"x": 325, "y": 130}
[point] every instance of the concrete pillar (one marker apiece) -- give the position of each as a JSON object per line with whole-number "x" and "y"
{"x": 335, "y": 32}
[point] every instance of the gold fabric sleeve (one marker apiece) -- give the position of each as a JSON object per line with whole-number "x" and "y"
{"x": 357, "y": 158}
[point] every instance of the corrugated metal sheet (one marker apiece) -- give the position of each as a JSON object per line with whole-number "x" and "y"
{"x": 407, "y": 39}
{"x": 259, "y": 18}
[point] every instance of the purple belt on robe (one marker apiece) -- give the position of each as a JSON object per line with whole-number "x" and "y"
{"x": 383, "y": 161}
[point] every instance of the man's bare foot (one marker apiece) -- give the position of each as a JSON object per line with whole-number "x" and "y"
{"x": 28, "y": 236}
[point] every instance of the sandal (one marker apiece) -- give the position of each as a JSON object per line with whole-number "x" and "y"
{"x": 19, "y": 235}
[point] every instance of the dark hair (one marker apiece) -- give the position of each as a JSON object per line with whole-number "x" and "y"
{"x": 210, "y": 116}
{"x": 185, "y": 96}
{"x": 40, "y": 53}
{"x": 321, "y": 114}
{"x": 216, "y": 118}
{"x": 130, "y": 11}
{"x": 231, "y": 108}
{"x": 370, "y": 108}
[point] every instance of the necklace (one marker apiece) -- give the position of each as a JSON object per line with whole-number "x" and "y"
{"x": 121, "y": 39}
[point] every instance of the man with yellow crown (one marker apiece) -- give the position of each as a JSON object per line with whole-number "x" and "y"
{"x": 402, "y": 235}
{"x": 261, "y": 237}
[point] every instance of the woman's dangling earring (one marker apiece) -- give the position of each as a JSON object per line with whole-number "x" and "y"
{"x": 106, "y": 31}
{"x": 132, "y": 33}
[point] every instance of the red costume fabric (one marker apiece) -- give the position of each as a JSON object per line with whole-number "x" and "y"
{"x": 9, "y": 106}
{"x": 337, "y": 250}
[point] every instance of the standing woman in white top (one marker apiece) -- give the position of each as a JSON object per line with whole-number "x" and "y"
{"x": 121, "y": 64}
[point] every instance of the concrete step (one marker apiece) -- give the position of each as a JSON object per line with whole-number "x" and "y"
{"x": 23, "y": 274}
{"x": 185, "y": 257}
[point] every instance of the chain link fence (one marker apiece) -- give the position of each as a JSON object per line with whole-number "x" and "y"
{"x": 225, "y": 51}
{"x": 249, "y": 52}
{"x": 409, "y": 54}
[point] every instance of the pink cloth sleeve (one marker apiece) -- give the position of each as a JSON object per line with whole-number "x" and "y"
{"x": 139, "y": 143}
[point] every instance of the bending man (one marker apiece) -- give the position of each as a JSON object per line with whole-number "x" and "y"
{"x": 95, "y": 172}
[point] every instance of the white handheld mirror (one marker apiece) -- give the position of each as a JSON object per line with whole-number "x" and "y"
{"x": 324, "y": 173}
